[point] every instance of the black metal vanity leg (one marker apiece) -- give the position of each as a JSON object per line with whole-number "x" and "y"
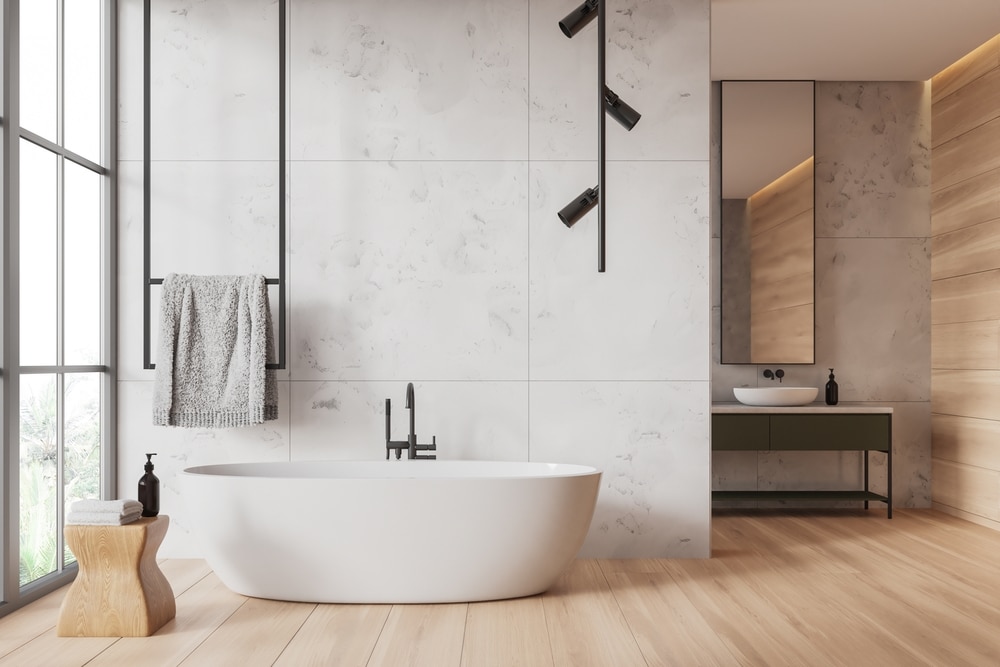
{"x": 866, "y": 476}
{"x": 888, "y": 473}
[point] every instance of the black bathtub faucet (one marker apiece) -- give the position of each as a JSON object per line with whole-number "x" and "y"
{"x": 776, "y": 374}
{"x": 410, "y": 444}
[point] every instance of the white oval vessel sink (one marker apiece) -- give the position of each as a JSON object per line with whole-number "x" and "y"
{"x": 775, "y": 396}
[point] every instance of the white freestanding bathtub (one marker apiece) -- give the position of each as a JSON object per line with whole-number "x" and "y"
{"x": 390, "y": 531}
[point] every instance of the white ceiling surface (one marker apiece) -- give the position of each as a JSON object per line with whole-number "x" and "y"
{"x": 846, "y": 40}
{"x": 767, "y": 128}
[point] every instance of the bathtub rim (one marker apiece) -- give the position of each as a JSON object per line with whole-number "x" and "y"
{"x": 258, "y": 470}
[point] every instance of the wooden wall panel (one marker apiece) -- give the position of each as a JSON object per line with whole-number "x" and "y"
{"x": 968, "y": 298}
{"x": 786, "y": 197}
{"x": 966, "y": 109}
{"x": 966, "y": 393}
{"x": 965, "y": 251}
{"x": 966, "y": 345}
{"x": 967, "y": 440}
{"x": 792, "y": 291}
{"x": 967, "y": 488}
{"x": 966, "y": 203}
{"x": 782, "y": 252}
{"x": 965, "y": 156}
{"x": 782, "y": 335}
{"x": 965, "y": 287}
{"x": 966, "y": 70}
{"x": 782, "y": 268}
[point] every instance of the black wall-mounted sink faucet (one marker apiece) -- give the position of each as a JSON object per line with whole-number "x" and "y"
{"x": 775, "y": 374}
{"x": 410, "y": 444}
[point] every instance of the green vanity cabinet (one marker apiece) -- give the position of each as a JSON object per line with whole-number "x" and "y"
{"x": 745, "y": 432}
{"x": 811, "y": 429}
{"x": 830, "y": 432}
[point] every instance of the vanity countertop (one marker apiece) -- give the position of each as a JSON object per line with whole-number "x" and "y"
{"x": 812, "y": 408}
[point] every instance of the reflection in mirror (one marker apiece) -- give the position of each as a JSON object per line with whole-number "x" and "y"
{"x": 768, "y": 258}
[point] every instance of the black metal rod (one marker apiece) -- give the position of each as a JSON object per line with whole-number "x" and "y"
{"x": 267, "y": 281}
{"x": 149, "y": 281}
{"x": 281, "y": 180}
{"x": 146, "y": 114}
{"x": 602, "y": 189}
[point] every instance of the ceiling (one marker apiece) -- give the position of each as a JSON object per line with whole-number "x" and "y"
{"x": 846, "y": 40}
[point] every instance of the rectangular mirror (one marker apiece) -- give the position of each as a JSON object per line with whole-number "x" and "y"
{"x": 768, "y": 223}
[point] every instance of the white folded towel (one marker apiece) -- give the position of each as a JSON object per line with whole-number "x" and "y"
{"x": 119, "y": 507}
{"x": 101, "y": 518}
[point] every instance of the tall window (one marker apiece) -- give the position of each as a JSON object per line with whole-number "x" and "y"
{"x": 58, "y": 379}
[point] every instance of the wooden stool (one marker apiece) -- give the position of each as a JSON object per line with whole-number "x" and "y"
{"x": 119, "y": 591}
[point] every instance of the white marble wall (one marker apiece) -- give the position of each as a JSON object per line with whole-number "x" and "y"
{"x": 430, "y": 146}
{"x": 872, "y": 289}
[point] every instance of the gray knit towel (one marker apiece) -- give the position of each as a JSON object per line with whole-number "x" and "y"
{"x": 215, "y": 341}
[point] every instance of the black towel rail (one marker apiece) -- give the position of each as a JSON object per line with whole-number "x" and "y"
{"x": 149, "y": 281}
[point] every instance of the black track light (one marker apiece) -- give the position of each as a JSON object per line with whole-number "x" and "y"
{"x": 578, "y": 19}
{"x": 580, "y": 206}
{"x": 616, "y": 107}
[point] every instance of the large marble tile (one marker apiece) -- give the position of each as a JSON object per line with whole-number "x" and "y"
{"x": 651, "y": 442}
{"x": 214, "y": 80}
{"x": 398, "y": 80}
{"x": 206, "y": 218}
{"x": 647, "y": 317}
{"x": 657, "y": 61}
{"x": 734, "y": 471}
{"x": 471, "y": 420}
{"x": 214, "y": 218}
{"x": 180, "y": 448}
{"x": 798, "y": 471}
{"x": 411, "y": 269}
{"x": 130, "y": 17}
{"x": 911, "y": 456}
{"x": 873, "y": 159}
{"x": 873, "y": 315}
{"x": 130, "y": 276}
{"x": 727, "y": 376}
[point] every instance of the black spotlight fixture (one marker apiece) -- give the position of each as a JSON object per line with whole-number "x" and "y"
{"x": 579, "y": 18}
{"x": 608, "y": 104}
{"x": 616, "y": 107}
{"x": 580, "y": 206}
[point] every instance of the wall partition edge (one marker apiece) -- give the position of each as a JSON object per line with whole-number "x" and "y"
{"x": 109, "y": 319}
{"x": 147, "y": 280}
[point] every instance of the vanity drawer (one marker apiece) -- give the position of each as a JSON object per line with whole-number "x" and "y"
{"x": 740, "y": 432}
{"x": 830, "y": 432}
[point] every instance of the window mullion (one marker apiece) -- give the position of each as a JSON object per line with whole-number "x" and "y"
{"x": 60, "y": 470}
{"x": 60, "y": 284}
{"x": 60, "y": 71}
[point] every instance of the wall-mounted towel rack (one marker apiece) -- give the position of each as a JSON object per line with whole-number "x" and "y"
{"x": 149, "y": 281}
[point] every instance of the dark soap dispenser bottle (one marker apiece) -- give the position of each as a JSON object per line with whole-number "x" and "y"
{"x": 149, "y": 489}
{"x": 832, "y": 390}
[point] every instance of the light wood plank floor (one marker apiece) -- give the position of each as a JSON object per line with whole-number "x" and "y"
{"x": 791, "y": 588}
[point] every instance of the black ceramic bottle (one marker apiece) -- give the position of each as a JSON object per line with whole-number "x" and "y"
{"x": 831, "y": 390}
{"x": 149, "y": 489}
